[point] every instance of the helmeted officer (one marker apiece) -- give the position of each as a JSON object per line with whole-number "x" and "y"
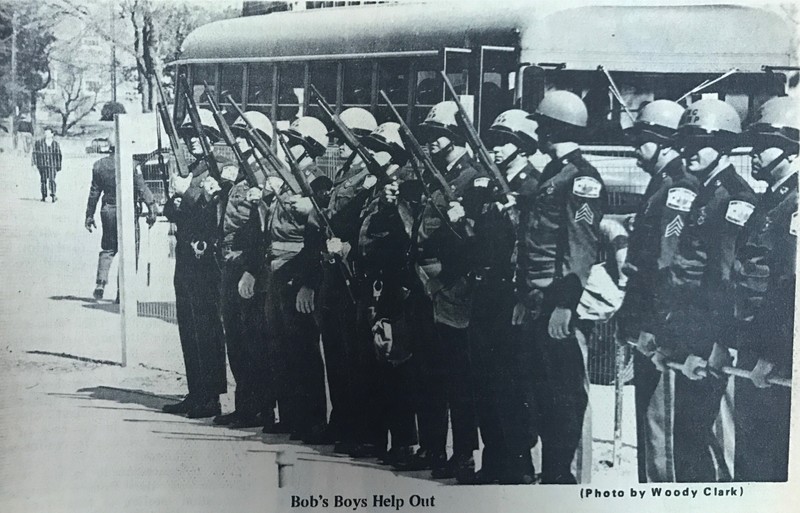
{"x": 558, "y": 244}
{"x": 104, "y": 183}
{"x": 501, "y": 358}
{"x": 386, "y": 286}
{"x": 764, "y": 277}
{"x": 242, "y": 306}
{"x": 443, "y": 264}
{"x": 347, "y": 352}
{"x": 657, "y": 228}
{"x": 294, "y": 359}
{"x": 694, "y": 296}
{"x": 195, "y": 209}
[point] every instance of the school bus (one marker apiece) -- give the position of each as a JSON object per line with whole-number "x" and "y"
{"x": 499, "y": 56}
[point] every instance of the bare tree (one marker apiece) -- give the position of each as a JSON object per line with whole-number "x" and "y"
{"x": 76, "y": 98}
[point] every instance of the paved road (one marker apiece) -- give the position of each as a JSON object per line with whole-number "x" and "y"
{"x": 77, "y": 435}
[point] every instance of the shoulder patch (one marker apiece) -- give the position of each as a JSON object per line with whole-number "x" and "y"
{"x": 739, "y": 212}
{"x": 794, "y": 224}
{"x": 586, "y": 187}
{"x": 680, "y": 199}
{"x": 481, "y": 182}
{"x": 369, "y": 181}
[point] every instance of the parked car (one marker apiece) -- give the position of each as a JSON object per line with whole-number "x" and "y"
{"x": 99, "y": 145}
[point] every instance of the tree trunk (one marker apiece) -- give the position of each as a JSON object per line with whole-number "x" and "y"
{"x": 33, "y": 106}
{"x": 64, "y": 127}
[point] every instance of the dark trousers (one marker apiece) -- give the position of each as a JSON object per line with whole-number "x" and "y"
{"x": 349, "y": 361}
{"x": 108, "y": 242}
{"x": 504, "y": 388}
{"x": 294, "y": 361}
{"x": 762, "y": 429}
{"x": 446, "y": 383}
{"x": 562, "y": 393}
{"x": 653, "y": 400}
{"x": 697, "y": 452}
{"x": 47, "y": 177}
{"x": 243, "y": 320}
{"x": 197, "y": 304}
{"x": 395, "y": 404}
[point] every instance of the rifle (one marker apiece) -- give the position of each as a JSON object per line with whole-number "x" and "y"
{"x": 194, "y": 117}
{"x": 474, "y": 140}
{"x": 413, "y": 145}
{"x": 161, "y": 166}
{"x": 617, "y": 94}
{"x": 172, "y": 133}
{"x": 264, "y": 148}
{"x": 350, "y": 139}
{"x": 228, "y": 137}
{"x": 305, "y": 187}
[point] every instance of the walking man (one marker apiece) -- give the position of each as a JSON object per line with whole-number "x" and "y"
{"x": 47, "y": 159}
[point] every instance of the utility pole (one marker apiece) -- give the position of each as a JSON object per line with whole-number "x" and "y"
{"x": 113, "y": 54}
{"x": 14, "y": 107}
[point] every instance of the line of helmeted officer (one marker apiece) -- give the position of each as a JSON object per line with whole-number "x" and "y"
{"x": 712, "y": 269}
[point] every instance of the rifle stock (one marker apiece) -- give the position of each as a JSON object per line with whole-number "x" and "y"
{"x": 474, "y": 140}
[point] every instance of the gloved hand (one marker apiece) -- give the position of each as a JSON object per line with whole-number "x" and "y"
{"x": 246, "y": 284}
{"x": 151, "y": 215}
{"x": 456, "y": 212}
{"x": 181, "y": 185}
{"x": 720, "y": 357}
{"x": 274, "y": 185}
{"x": 511, "y": 200}
{"x": 89, "y": 224}
{"x": 254, "y": 195}
{"x": 390, "y": 193}
{"x": 646, "y": 343}
{"x": 210, "y": 186}
{"x": 305, "y": 300}
{"x": 761, "y": 372}
{"x": 335, "y": 246}
{"x": 659, "y": 359}
{"x": 519, "y": 314}
{"x": 558, "y": 328}
{"x": 300, "y": 204}
{"x": 693, "y": 367}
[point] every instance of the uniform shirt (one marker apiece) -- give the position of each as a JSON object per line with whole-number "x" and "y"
{"x": 443, "y": 259}
{"x": 198, "y": 216}
{"x": 694, "y": 299}
{"x": 559, "y": 237}
{"x": 764, "y": 275}
{"x": 285, "y": 231}
{"x": 653, "y": 243}
{"x": 104, "y": 183}
{"x": 496, "y": 231}
{"x": 240, "y": 225}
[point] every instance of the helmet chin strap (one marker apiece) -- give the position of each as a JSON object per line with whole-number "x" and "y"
{"x": 766, "y": 172}
{"x": 652, "y": 162}
{"x": 508, "y": 160}
{"x": 711, "y": 167}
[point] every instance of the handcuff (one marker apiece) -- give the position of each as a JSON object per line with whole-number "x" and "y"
{"x": 199, "y": 247}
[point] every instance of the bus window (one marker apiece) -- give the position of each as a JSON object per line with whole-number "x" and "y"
{"x": 497, "y": 83}
{"x": 323, "y": 76}
{"x": 393, "y": 77}
{"x": 291, "y": 82}
{"x": 231, "y": 81}
{"x": 428, "y": 87}
{"x": 259, "y": 84}
{"x": 532, "y": 87}
{"x": 200, "y": 73}
{"x": 357, "y": 81}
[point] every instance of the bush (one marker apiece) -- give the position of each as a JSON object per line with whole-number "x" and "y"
{"x": 109, "y": 109}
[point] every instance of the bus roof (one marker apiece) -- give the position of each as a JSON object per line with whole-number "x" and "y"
{"x": 682, "y": 39}
{"x": 355, "y": 31}
{"x": 686, "y": 39}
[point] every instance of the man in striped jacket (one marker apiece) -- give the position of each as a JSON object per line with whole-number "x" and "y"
{"x": 47, "y": 159}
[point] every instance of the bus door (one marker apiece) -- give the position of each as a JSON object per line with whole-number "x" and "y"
{"x": 496, "y": 82}
{"x": 456, "y": 65}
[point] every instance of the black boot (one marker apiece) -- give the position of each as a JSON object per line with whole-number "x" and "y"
{"x": 207, "y": 408}
{"x": 181, "y": 407}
